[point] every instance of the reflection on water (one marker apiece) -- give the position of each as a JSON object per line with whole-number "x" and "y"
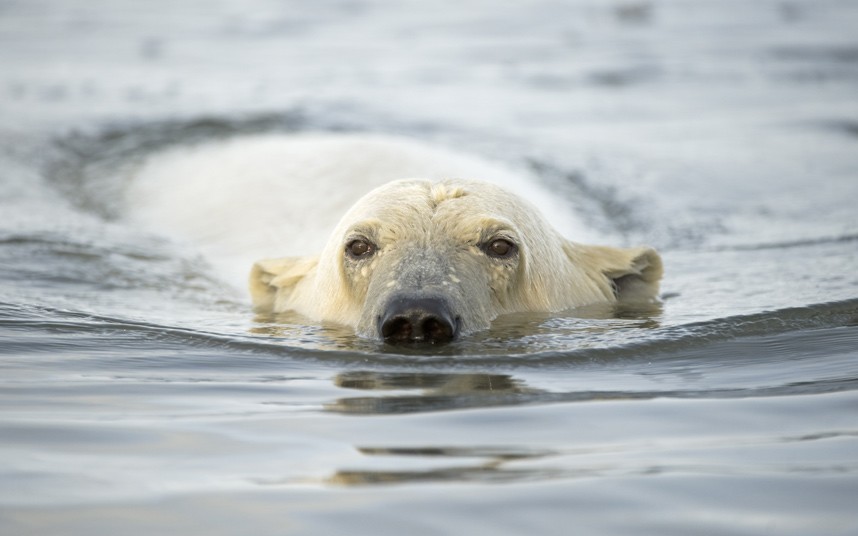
{"x": 436, "y": 392}
{"x": 491, "y": 466}
{"x": 420, "y": 392}
{"x": 509, "y": 465}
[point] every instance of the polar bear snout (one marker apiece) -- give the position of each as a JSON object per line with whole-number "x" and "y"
{"x": 408, "y": 319}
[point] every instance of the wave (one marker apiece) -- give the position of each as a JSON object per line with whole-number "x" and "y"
{"x": 786, "y": 353}
{"x": 744, "y": 335}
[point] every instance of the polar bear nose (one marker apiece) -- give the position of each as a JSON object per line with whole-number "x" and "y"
{"x": 419, "y": 319}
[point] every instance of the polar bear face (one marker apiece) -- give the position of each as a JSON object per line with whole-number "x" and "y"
{"x": 415, "y": 260}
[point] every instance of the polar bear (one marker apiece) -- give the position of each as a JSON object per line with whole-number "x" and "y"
{"x": 422, "y": 261}
{"x": 426, "y": 259}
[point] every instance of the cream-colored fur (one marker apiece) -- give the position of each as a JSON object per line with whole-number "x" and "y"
{"x": 430, "y": 237}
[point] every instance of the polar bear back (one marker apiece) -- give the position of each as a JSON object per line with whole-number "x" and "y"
{"x": 252, "y": 197}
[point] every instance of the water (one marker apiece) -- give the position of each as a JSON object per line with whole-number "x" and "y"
{"x": 140, "y": 395}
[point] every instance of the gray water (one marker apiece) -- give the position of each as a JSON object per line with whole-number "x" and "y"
{"x": 139, "y": 395}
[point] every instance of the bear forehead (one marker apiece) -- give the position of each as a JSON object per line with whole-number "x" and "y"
{"x": 457, "y": 217}
{"x": 460, "y": 210}
{"x": 454, "y": 198}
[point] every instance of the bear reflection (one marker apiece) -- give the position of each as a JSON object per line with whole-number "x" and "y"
{"x": 438, "y": 391}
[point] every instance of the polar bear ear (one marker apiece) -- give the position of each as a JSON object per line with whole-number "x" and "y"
{"x": 272, "y": 277}
{"x": 634, "y": 273}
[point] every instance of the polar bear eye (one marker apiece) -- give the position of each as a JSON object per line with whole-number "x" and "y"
{"x": 500, "y": 248}
{"x": 360, "y": 248}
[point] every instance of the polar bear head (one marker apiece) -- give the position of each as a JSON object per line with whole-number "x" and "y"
{"x": 415, "y": 260}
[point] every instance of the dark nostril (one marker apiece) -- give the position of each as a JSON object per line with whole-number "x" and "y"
{"x": 435, "y": 329}
{"x": 397, "y": 329}
{"x": 417, "y": 320}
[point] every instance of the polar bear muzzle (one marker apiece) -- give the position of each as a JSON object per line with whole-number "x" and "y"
{"x": 413, "y": 318}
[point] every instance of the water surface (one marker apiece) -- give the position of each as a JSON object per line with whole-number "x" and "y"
{"x": 140, "y": 395}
